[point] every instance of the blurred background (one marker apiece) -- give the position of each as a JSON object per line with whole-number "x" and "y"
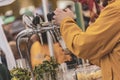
{"x": 21, "y": 6}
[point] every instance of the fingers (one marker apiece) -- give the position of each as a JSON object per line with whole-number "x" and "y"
{"x": 57, "y": 15}
{"x": 57, "y": 11}
{"x": 60, "y": 15}
{"x": 61, "y": 10}
{"x": 67, "y": 10}
{"x": 54, "y": 17}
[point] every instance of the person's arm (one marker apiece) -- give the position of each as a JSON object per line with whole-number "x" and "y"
{"x": 98, "y": 40}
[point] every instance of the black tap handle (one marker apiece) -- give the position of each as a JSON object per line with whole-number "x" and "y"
{"x": 36, "y": 20}
{"x": 50, "y": 16}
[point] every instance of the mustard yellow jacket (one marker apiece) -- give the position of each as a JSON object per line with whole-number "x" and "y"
{"x": 100, "y": 43}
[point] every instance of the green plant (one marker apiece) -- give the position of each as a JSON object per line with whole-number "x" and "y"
{"x": 20, "y": 74}
{"x": 46, "y": 68}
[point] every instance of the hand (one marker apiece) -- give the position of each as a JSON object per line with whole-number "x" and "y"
{"x": 62, "y": 14}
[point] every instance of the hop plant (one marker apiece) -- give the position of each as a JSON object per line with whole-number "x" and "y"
{"x": 20, "y": 74}
{"x": 46, "y": 67}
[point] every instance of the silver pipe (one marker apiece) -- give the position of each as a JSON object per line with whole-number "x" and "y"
{"x": 49, "y": 38}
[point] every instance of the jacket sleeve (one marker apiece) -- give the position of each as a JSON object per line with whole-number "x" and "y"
{"x": 98, "y": 40}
